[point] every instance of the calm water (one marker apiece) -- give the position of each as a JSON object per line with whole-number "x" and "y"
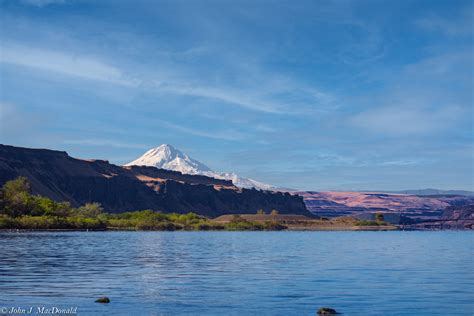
{"x": 240, "y": 273}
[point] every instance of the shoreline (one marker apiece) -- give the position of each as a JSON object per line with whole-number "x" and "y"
{"x": 290, "y": 229}
{"x": 13, "y": 230}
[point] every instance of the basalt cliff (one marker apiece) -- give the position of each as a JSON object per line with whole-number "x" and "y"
{"x": 63, "y": 178}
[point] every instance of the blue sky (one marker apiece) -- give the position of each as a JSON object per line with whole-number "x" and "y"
{"x": 317, "y": 95}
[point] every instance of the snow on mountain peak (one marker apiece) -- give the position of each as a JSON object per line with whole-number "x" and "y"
{"x": 167, "y": 157}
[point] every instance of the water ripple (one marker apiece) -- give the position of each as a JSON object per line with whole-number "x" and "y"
{"x": 240, "y": 273}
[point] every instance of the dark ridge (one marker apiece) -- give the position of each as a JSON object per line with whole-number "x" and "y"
{"x": 56, "y": 175}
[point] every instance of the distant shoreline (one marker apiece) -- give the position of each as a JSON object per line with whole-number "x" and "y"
{"x": 360, "y": 228}
{"x": 390, "y": 228}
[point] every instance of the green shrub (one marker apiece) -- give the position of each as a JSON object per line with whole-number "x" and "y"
{"x": 239, "y": 223}
{"x": 6, "y": 222}
{"x": 91, "y": 210}
{"x": 370, "y": 223}
{"x": 121, "y": 223}
{"x": 85, "y": 223}
{"x": 273, "y": 225}
{"x": 41, "y": 222}
{"x": 16, "y": 197}
{"x": 20, "y": 209}
{"x": 43, "y": 206}
{"x": 160, "y": 225}
{"x": 207, "y": 225}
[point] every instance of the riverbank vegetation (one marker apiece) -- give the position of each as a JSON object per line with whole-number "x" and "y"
{"x": 370, "y": 223}
{"x": 19, "y": 209}
{"x": 379, "y": 221}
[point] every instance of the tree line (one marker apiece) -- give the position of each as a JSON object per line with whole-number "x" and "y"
{"x": 20, "y": 209}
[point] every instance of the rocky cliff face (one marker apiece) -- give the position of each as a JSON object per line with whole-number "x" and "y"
{"x": 453, "y": 217}
{"x": 119, "y": 189}
{"x": 458, "y": 217}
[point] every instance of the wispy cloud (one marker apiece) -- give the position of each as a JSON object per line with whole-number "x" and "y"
{"x": 365, "y": 46}
{"x": 63, "y": 63}
{"x": 255, "y": 96}
{"x": 422, "y": 98}
{"x": 406, "y": 120}
{"x": 364, "y": 161}
{"x": 229, "y": 135}
{"x": 461, "y": 25}
{"x": 42, "y": 3}
{"x": 403, "y": 162}
{"x": 290, "y": 98}
{"x": 104, "y": 142}
{"x": 14, "y": 121}
{"x": 226, "y": 95}
{"x": 326, "y": 88}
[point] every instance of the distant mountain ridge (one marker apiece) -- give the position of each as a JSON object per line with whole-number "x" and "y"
{"x": 435, "y": 192}
{"x": 339, "y": 203}
{"x": 168, "y": 157}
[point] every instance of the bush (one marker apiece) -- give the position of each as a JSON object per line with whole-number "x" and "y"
{"x": 16, "y": 197}
{"x": 43, "y": 206}
{"x": 20, "y": 209}
{"x": 6, "y": 222}
{"x": 85, "y": 223}
{"x": 187, "y": 221}
{"x": 121, "y": 223}
{"x": 157, "y": 226}
{"x": 62, "y": 209}
{"x": 41, "y": 222}
{"x": 370, "y": 223}
{"x": 92, "y": 210}
{"x": 379, "y": 217}
{"x": 206, "y": 225}
{"x": 239, "y": 223}
{"x": 272, "y": 225}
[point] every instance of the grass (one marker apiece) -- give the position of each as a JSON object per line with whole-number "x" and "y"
{"x": 139, "y": 220}
{"x": 19, "y": 209}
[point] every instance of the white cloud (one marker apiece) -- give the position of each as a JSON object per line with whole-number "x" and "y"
{"x": 42, "y": 3}
{"x": 63, "y": 63}
{"x": 405, "y": 120}
{"x": 263, "y": 97}
{"x": 226, "y": 95}
{"x": 223, "y": 135}
{"x": 403, "y": 162}
{"x": 461, "y": 25}
{"x": 272, "y": 95}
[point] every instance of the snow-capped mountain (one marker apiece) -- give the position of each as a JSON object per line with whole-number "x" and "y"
{"x": 167, "y": 157}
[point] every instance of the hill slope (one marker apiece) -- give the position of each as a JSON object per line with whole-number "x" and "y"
{"x": 346, "y": 203}
{"x": 118, "y": 189}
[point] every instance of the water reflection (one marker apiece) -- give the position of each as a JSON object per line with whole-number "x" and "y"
{"x": 290, "y": 273}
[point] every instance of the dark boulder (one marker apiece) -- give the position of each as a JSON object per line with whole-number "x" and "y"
{"x": 103, "y": 300}
{"x": 327, "y": 311}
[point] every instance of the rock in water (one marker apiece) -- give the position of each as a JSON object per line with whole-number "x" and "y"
{"x": 327, "y": 311}
{"x": 103, "y": 300}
